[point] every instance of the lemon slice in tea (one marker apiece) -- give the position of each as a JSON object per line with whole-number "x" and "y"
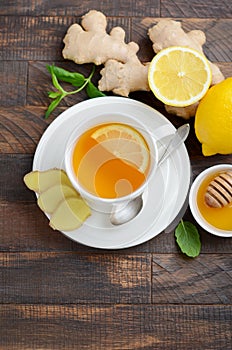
{"x": 125, "y": 143}
{"x": 179, "y": 76}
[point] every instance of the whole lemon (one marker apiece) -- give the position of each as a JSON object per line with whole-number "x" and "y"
{"x": 213, "y": 121}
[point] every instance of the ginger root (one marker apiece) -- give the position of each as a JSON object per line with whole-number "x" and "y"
{"x": 92, "y": 43}
{"x": 123, "y": 78}
{"x": 123, "y": 72}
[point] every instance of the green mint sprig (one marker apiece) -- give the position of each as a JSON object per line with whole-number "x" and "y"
{"x": 188, "y": 239}
{"x": 75, "y": 79}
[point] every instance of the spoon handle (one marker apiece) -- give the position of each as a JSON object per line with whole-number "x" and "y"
{"x": 178, "y": 137}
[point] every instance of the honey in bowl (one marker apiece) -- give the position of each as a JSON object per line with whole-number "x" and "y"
{"x": 219, "y": 217}
{"x": 111, "y": 160}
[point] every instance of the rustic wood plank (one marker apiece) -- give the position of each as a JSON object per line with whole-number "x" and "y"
{"x": 118, "y": 278}
{"x": 24, "y": 38}
{"x": 205, "y": 280}
{"x": 67, "y": 278}
{"x": 24, "y": 227}
{"x": 72, "y": 7}
{"x": 218, "y": 36}
{"x": 22, "y": 128}
{"x": 13, "y": 83}
{"x": 12, "y": 188}
{"x": 115, "y": 327}
{"x": 226, "y": 68}
{"x": 40, "y": 38}
{"x": 208, "y": 8}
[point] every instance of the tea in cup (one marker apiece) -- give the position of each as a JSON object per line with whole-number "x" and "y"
{"x": 110, "y": 160}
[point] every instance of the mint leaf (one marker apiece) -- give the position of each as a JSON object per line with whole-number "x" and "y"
{"x": 53, "y": 94}
{"x": 188, "y": 239}
{"x": 92, "y": 91}
{"x": 54, "y": 79}
{"x": 53, "y": 105}
{"x": 76, "y": 79}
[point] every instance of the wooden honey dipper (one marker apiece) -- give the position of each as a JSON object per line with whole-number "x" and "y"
{"x": 219, "y": 191}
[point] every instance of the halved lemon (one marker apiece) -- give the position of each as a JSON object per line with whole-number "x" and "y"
{"x": 179, "y": 76}
{"x": 125, "y": 143}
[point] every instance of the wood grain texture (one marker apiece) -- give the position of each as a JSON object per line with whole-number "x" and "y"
{"x": 79, "y": 8}
{"x": 12, "y": 188}
{"x": 205, "y": 280}
{"x": 71, "y": 278}
{"x": 31, "y": 38}
{"x": 115, "y": 327}
{"x": 13, "y": 83}
{"x": 22, "y": 128}
{"x": 200, "y": 9}
{"x": 52, "y": 277}
{"x": 218, "y": 46}
{"x": 23, "y": 227}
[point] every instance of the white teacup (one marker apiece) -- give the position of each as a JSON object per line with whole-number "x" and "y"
{"x": 98, "y": 203}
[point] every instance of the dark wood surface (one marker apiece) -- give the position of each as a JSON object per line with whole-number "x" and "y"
{"x": 58, "y": 294}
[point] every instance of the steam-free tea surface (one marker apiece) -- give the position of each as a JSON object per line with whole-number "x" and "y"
{"x": 99, "y": 166}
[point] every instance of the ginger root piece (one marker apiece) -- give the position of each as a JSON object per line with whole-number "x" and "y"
{"x": 49, "y": 200}
{"x": 183, "y": 112}
{"x": 40, "y": 181}
{"x": 123, "y": 78}
{"x": 70, "y": 214}
{"x": 58, "y": 197}
{"x": 91, "y": 43}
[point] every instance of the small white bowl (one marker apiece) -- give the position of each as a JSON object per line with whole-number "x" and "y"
{"x": 193, "y": 200}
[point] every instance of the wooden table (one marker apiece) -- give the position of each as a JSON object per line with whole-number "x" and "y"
{"x": 58, "y": 294}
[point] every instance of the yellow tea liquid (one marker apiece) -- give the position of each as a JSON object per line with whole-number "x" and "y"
{"x": 100, "y": 172}
{"x": 218, "y": 217}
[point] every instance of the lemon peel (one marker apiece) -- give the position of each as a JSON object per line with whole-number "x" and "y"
{"x": 213, "y": 120}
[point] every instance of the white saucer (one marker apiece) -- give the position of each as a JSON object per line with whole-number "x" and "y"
{"x": 164, "y": 197}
